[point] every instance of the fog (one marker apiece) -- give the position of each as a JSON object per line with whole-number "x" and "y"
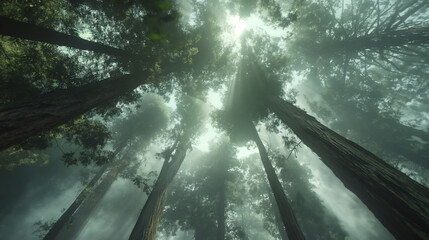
{"x": 198, "y": 119}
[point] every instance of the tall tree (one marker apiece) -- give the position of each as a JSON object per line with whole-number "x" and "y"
{"x": 286, "y": 212}
{"x": 148, "y": 220}
{"x": 199, "y": 197}
{"x": 379, "y": 84}
{"x": 316, "y": 220}
{"x": 240, "y": 112}
{"x": 380, "y": 42}
{"x": 190, "y": 114}
{"x": 23, "y": 119}
{"x": 380, "y": 186}
{"x": 383, "y": 134}
{"x": 223, "y": 165}
{"x": 73, "y": 226}
{"x": 67, "y": 215}
{"x": 130, "y": 132}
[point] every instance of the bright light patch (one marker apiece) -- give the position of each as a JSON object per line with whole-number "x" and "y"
{"x": 238, "y": 24}
{"x": 203, "y": 141}
{"x": 244, "y": 152}
{"x": 215, "y": 99}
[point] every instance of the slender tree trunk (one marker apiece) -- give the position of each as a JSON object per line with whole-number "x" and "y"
{"x": 148, "y": 221}
{"x": 83, "y": 195}
{"x": 400, "y": 203}
{"x": 13, "y": 28}
{"x": 24, "y": 119}
{"x": 385, "y": 40}
{"x": 83, "y": 213}
{"x": 221, "y": 214}
{"x": 67, "y": 215}
{"x": 201, "y": 234}
{"x": 221, "y": 202}
{"x": 288, "y": 217}
{"x": 277, "y": 217}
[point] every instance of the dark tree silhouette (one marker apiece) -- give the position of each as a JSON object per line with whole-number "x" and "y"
{"x": 14, "y": 28}
{"x": 286, "y": 212}
{"x": 148, "y": 220}
{"x": 23, "y": 119}
{"x": 400, "y": 203}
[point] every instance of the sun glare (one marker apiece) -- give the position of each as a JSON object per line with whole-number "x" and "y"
{"x": 238, "y": 24}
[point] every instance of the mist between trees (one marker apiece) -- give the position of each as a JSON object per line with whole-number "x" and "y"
{"x": 186, "y": 119}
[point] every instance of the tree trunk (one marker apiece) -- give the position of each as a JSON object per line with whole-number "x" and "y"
{"x": 400, "y": 203}
{"x": 384, "y": 40}
{"x": 392, "y": 136}
{"x": 148, "y": 221}
{"x": 32, "y": 32}
{"x": 83, "y": 213}
{"x": 67, "y": 216}
{"x": 288, "y": 217}
{"x": 221, "y": 202}
{"x": 277, "y": 217}
{"x": 23, "y": 119}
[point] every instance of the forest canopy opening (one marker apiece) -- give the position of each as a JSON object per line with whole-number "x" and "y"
{"x": 214, "y": 119}
{"x": 239, "y": 25}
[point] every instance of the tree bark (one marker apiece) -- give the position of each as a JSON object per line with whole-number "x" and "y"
{"x": 277, "y": 217}
{"x": 288, "y": 217}
{"x": 27, "y": 118}
{"x": 388, "y": 133}
{"x": 400, "y": 203}
{"x": 13, "y": 28}
{"x": 148, "y": 221}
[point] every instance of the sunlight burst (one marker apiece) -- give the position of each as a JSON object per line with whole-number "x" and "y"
{"x": 238, "y": 24}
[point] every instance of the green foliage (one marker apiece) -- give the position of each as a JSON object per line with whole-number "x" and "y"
{"x": 317, "y": 222}
{"x": 30, "y": 69}
{"x": 91, "y": 136}
{"x": 157, "y": 37}
{"x": 39, "y": 12}
{"x": 16, "y": 157}
{"x": 144, "y": 182}
{"x": 42, "y": 227}
{"x": 195, "y": 195}
{"x": 188, "y": 59}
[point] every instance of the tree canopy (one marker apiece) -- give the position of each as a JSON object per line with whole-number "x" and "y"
{"x": 135, "y": 120}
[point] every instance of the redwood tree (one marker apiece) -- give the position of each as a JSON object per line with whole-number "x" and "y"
{"x": 241, "y": 110}
{"x": 23, "y": 119}
{"x": 400, "y": 203}
{"x": 148, "y": 220}
{"x": 287, "y": 215}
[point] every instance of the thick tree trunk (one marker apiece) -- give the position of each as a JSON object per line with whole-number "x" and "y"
{"x": 67, "y": 216}
{"x": 149, "y": 217}
{"x": 400, "y": 203}
{"x": 384, "y": 40}
{"x": 288, "y": 217}
{"x": 13, "y": 28}
{"x": 24, "y": 119}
